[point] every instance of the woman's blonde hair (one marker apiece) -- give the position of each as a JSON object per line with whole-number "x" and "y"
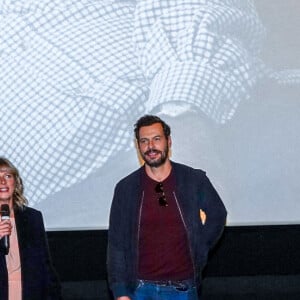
{"x": 19, "y": 199}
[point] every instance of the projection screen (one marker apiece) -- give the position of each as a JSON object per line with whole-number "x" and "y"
{"x": 75, "y": 75}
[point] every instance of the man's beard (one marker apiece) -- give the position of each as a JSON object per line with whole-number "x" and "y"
{"x": 157, "y": 162}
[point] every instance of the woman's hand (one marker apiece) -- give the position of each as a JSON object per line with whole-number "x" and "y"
{"x": 5, "y": 228}
{"x": 123, "y": 298}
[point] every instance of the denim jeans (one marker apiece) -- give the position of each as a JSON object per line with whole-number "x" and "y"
{"x": 152, "y": 291}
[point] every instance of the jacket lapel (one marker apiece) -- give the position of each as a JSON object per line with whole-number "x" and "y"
{"x": 21, "y": 219}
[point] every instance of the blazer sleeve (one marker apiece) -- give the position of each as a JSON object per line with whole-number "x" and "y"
{"x": 116, "y": 261}
{"x": 215, "y": 212}
{"x": 54, "y": 286}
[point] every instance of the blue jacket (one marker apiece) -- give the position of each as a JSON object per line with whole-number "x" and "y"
{"x": 193, "y": 191}
{"x": 39, "y": 281}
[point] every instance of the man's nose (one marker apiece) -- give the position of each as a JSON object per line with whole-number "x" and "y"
{"x": 150, "y": 144}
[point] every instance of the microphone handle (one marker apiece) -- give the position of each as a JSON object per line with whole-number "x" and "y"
{"x": 6, "y": 237}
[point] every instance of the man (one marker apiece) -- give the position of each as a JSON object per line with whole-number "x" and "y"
{"x": 164, "y": 219}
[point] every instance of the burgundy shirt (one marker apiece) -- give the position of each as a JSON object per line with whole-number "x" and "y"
{"x": 163, "y": 245}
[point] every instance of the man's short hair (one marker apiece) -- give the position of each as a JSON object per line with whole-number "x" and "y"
{"x": 148, "y": 120}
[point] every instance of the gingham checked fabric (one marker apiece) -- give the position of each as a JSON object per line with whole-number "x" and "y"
{"x": 76, "y": 74}
{"x": 70, "y": 89}
{"x": 194, "y": 52}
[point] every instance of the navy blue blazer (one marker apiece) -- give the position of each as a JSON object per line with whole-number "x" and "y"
{"x": 39, "y": 280}
{"x": 194, "y": 191}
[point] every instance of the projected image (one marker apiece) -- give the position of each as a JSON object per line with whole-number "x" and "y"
{"x": 76, "y": 75}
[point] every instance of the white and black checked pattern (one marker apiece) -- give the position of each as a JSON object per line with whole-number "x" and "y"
{"x": 76, "y": 74}
{"x": 194, "y": 52}
{"x": 70, "y": 86}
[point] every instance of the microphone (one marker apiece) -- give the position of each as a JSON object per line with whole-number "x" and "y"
{"x": 5, "y": 216}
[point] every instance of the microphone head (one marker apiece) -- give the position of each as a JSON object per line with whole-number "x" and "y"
{"x": 5, "y": 210}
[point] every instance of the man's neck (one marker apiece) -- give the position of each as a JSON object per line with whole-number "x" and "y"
{"x": 159, "y": 173}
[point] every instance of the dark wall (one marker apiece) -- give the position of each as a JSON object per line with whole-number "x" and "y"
{"x": 247, "y": 257}
{"x": 256, "y": 250}
{"x": 79, "y": 255}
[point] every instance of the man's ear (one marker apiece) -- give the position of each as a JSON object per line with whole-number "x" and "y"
{"x": 169, "y": 141}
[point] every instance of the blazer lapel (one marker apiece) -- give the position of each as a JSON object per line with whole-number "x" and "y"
{"x": 21, "y": 220}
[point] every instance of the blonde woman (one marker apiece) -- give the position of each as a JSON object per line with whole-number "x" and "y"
{"x": 26, "y": 272}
